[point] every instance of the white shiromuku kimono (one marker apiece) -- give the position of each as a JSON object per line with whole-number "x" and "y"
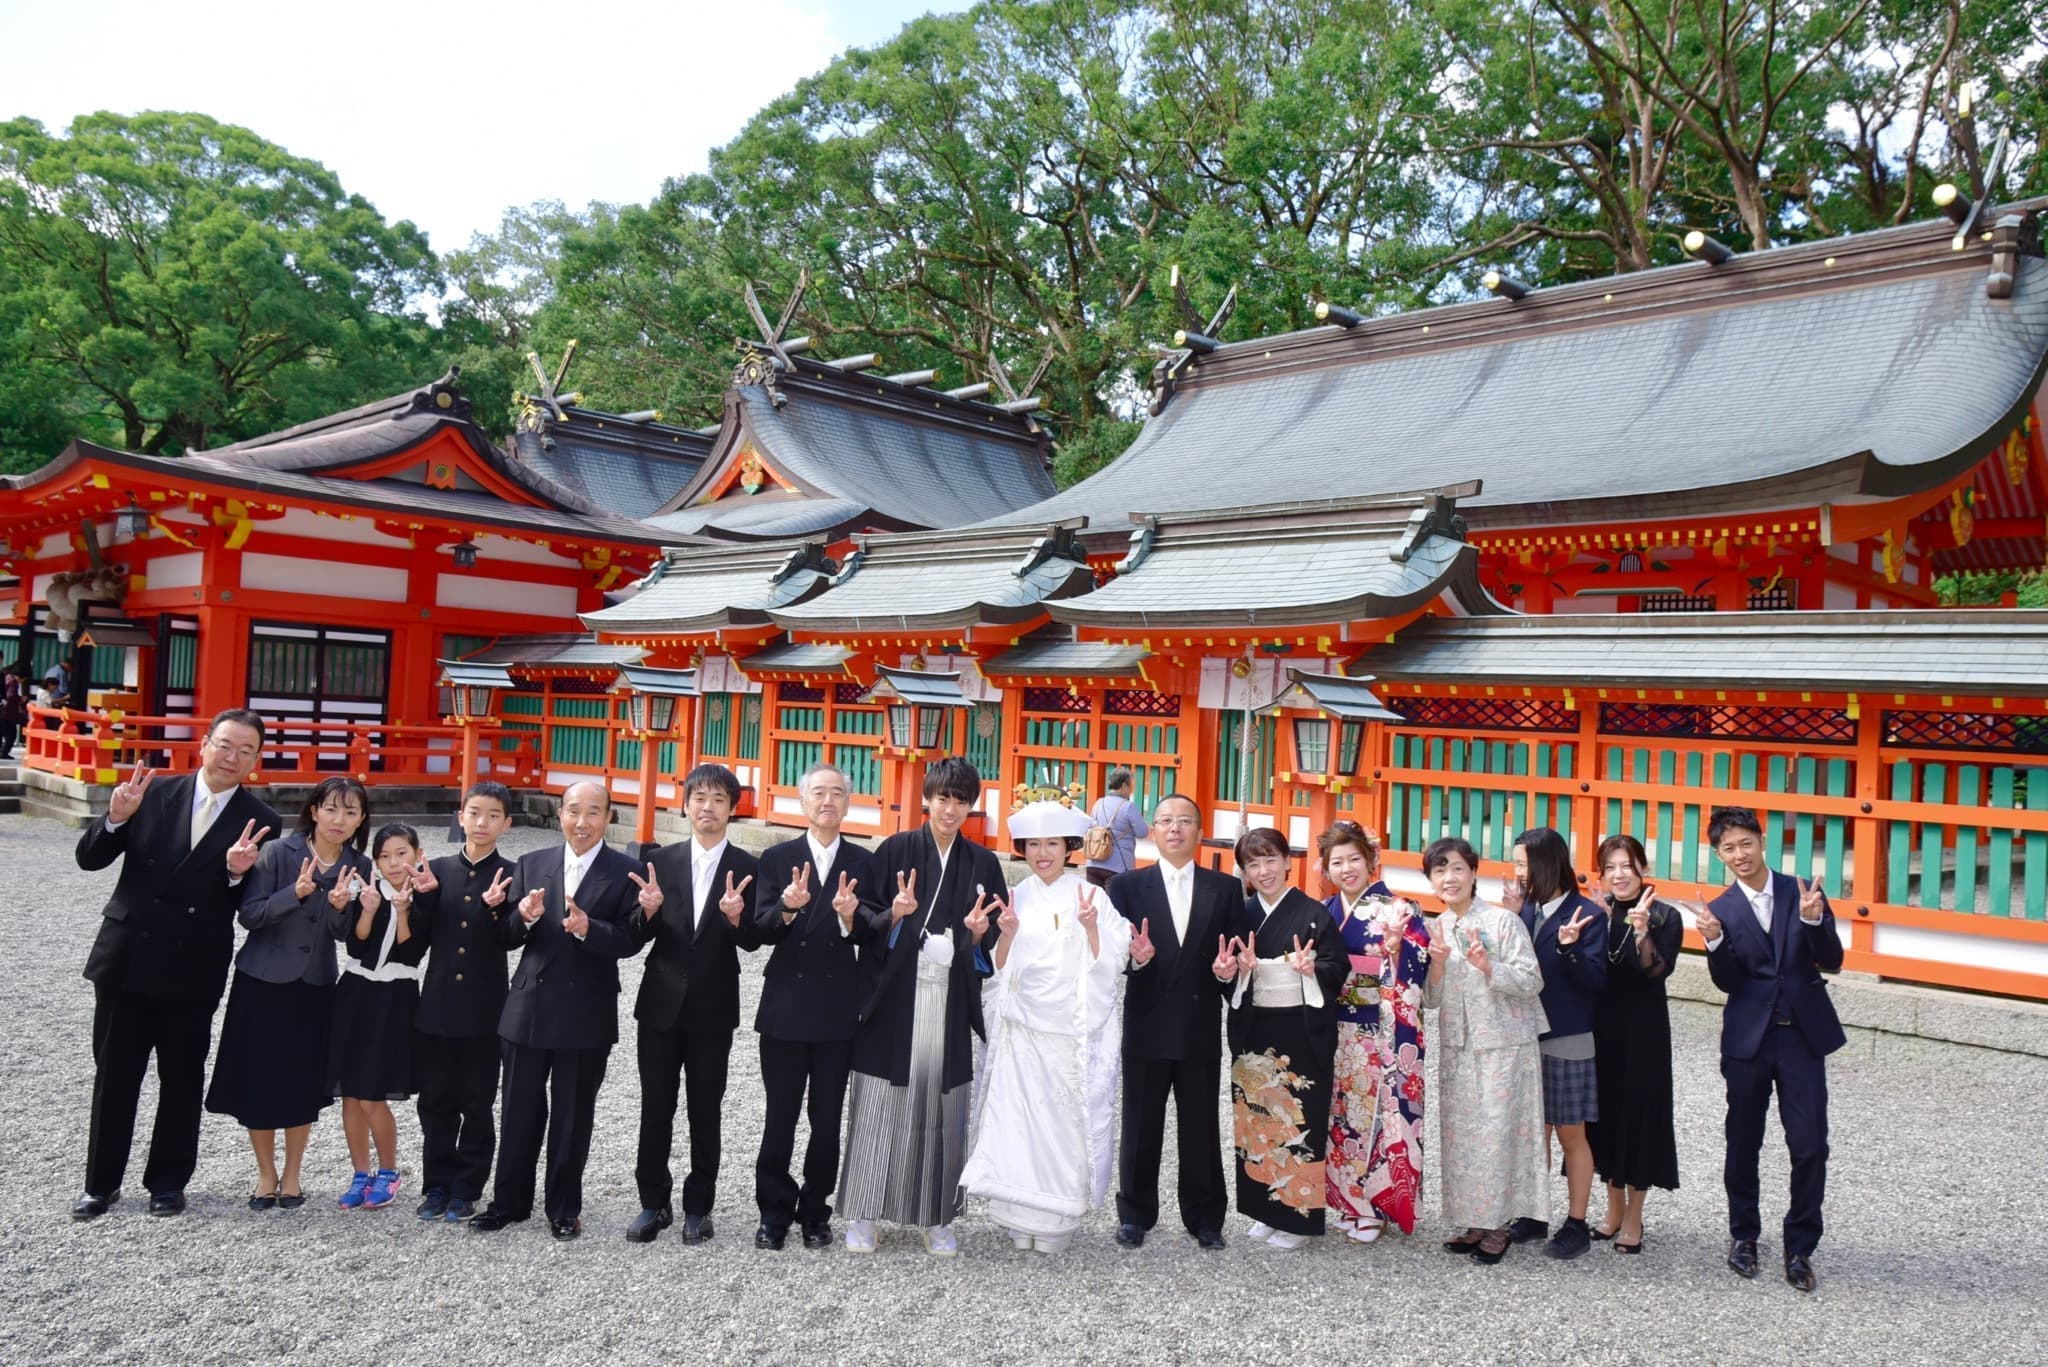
{"x": 1044, "y": 1136}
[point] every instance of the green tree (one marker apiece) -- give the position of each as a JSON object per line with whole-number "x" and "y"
{"x": 198, "y": 284}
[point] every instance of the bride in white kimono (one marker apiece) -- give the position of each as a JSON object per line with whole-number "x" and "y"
{"x": 1044, "y": 1137}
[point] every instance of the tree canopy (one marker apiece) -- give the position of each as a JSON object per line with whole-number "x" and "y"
{"x": 1015, "y": 186}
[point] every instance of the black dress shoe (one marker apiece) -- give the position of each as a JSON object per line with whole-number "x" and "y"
{"x": 167, "y": 1203}
{"x": 260, "y": 1202}
{"x": 1130, "y": 1236}
{"x": 285, "y": 1202}
{"x": 818, "y": 1234}
{"x": 1528, "y": 1231}
{"x": 565, "y": 1230}
{"x": 765, "y": 1237}
{"x": 1571, "y": 1240}
{"x": 1210, "y": 1238}
{"x": 649, "y": 1224}
{"x": 1742, "y": 1257}
{"x": 1799, "y": 1272}
{"x": 697, "y": 1228}
{"x": 491, "y": 1221}
{"x": 91, "y": 1207}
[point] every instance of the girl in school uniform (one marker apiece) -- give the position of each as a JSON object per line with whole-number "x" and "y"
{"x": 370, "y": 1065}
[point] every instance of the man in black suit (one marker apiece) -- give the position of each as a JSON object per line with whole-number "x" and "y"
{"x": 1173, "y": 1039}
{"x": 1769, "y": 938}
{"x": 161, "y": 959}
{"x": 809, "y": 889}
{"x": 561, "y": 1015}
{"x": 694, "y": 906}
{"x": 462, "y": 996}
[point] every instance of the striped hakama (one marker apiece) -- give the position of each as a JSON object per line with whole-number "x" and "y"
{"x": 906, "y": 1146}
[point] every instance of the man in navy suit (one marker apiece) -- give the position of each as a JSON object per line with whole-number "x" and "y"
{"x": 1769, "y": 938}
{"x": 561, "y": 1015}
{"x": 160, "y": 961}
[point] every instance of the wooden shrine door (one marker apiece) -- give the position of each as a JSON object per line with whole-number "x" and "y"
{"x": 317, "y": 674}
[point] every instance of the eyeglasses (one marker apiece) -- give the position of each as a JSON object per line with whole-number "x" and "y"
{"x": 1176, "y": 822}
{"x": 235, "y": 752}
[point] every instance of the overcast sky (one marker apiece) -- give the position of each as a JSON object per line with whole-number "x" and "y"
{"x": 445, "y": 111}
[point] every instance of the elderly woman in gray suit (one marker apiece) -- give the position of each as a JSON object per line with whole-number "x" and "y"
{"x": 299, "y": 900}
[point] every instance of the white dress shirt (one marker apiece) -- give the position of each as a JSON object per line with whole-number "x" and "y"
{"x": 703, "y": 876}
{"x": 574, "y": 866}
{"x": 822, "y": 857}
{"x": 1180, "y": 897}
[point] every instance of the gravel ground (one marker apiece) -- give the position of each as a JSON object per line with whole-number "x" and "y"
{"x": 1935, "y": 1246}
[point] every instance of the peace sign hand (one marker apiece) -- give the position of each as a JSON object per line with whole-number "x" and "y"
{"x": 401, "y": 894}
{"x": 976, "y": 919}
{"x": 344, "y": 890}
{"x": 532, "y": 905}
{"x": 797, "y": 895}
{"x": 576, "y": 920}
{"x": 1225, "y": 967}
{"x": 423, "y": 878}
{"x": 905, "y": 901}
{"x": 1639, "y": 914}
{"x": 242, "y": 854}
{"x": 1007, "y": 921}
{"x": 1568, "y": 933}
{"x": 1439, "y": 943}
{"x": 845, "y": 901}
{"x": 1248, "y": 953}
{"x": 1511, "y": 897}
{"x": 1813, "y": 903}
{"x": 127, "y": 797}
{"x": 304, "y": 887}
{"x": 1141, "y": 944}
{"x": 733, "y": 903}
{"x": 1476, "y": 955}
{"x": 1303, "y": 959}
{"x": 650, "y": 891}
{"x": 370, "y": 898}
{"x": 1703, "y": 920}
{"x": 494, "y": 895}
{"x": 1088, "y": 915}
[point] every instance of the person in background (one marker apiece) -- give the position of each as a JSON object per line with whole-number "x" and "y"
{"x": 13, "y": 708}
{"x": 1569, "y": 931}
{"x": 462, "y": 995}
{"x": 1486, "y": 989}
{"x": 160, "y": 960}
{"x": 1116, "y": 814}
{"x": 370, "y": 1064}
{"x": 1375, "y": 1159}
{"x": 271, "y": 1071}
{"x": 1290, "y": 964}
{"x": 1769, "y": 939}
{"x": 1045, "y": 1132}
{"x": 1635, "y": 1142}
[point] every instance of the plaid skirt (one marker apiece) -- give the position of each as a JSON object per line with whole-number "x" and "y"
{"x": 1571, "y": 1091}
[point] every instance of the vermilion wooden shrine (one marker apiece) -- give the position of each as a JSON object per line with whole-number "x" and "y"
{"x": 1601, "y": 557}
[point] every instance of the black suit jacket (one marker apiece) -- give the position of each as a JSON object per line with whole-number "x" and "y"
{"x": 1173, "y": 1005}
{"x": 462, "y": 991}
{"x": 565, "y": 992}
{"x": 881, "y": 1047}
{"x": 1765, "y": 975}
{"x": 693, "y": 972}
{"x": 169, "y": 928}
{"x": 810, "y": 992}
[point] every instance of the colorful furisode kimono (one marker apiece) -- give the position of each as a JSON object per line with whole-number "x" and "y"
{"x": 1374, "y": 1165}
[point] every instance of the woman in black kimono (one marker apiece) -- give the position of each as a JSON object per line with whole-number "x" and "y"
{"x": 1635, "y": 1144}
{"x": 1290, "y": 965}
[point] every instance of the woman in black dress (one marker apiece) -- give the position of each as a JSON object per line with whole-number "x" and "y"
{"x": 1290, "y": 965}
{"x": 1635, "y": 1146}
{"x": 271, "y": 1071}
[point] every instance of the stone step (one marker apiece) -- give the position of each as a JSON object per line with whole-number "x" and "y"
{"x": 10, "y": 805}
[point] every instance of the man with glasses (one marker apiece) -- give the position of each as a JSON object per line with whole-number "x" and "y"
{"x": 1173, "y": 1026}
{"x": 161, "y": 959}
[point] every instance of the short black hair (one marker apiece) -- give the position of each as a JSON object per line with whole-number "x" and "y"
{"x": 344, "y": 786}
{"x": 238, "y": 716}
{"x": 393, "y": 830}
{"x": 1623, "y": 844}
{"x": 1550, "y": 863}
{"x": 953, "y": 777}
{"x": 492, "y": 789}
{"x": 1726, "y": 819}
{"x": 1440, "y": 851}
{"x": 713, "y": 776}
{"x": 1178, "y": 797}
{"x": 1259, "y": 840}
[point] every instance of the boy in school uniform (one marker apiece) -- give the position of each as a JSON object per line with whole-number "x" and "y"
{"x": 462, "y": 994}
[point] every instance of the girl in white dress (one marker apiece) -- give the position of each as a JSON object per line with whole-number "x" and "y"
{"x": 1044, "y": 1134}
